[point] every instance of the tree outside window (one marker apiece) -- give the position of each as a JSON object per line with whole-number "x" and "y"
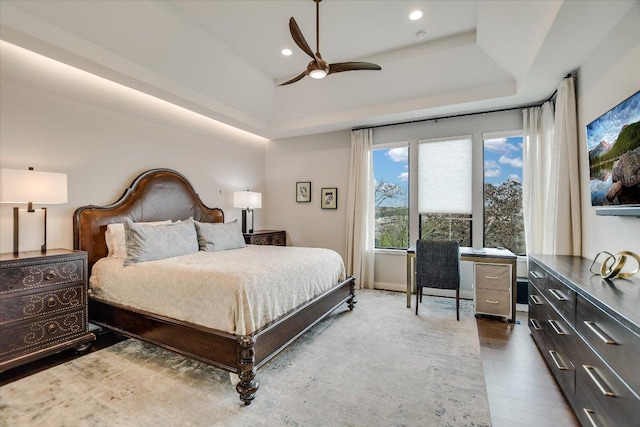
{"x": 391, "y": 173}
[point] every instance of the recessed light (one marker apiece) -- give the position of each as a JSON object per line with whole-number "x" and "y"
{"x": 286, "y": 52}
{"x": 415, "y": 15}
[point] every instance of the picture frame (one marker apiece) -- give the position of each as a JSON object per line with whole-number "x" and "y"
{"x": 303, "y": 192}
{"x": 329, "y": 198}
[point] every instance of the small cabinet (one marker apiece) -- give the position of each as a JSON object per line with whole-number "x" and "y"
{"x": 493, "y": 289}
{"x": 43, "y": 305}
{"x": 266, "y": 237}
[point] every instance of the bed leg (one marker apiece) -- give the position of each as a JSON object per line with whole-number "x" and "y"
{"x": 351, "y": 302}
{"x": 248, "y": 385}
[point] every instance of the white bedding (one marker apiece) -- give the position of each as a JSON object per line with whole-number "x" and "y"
{"x": 236, "y": 291}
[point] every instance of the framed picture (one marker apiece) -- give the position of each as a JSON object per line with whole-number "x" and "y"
{"x": 303, "y": 191}
{"x": 329, "y": 198}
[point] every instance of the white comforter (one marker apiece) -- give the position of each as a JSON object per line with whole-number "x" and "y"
{"x": 236, "y": 291}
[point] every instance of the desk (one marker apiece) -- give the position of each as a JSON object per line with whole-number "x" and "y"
{"x": 485, "y": 255}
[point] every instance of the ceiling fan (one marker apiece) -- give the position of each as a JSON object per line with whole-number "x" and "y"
{"x": 318, "y": 68}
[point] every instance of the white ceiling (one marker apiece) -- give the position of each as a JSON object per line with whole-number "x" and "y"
{"x": 222, "y": 58}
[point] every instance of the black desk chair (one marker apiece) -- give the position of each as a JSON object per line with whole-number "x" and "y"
{"x": 437, "y": 266}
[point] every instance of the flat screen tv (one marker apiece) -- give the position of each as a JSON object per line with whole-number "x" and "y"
{"x": 613, "y": 141}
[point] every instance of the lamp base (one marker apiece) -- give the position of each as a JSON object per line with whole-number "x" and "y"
{"x": 245, "y": 222}
{"x": 16, "y": 229}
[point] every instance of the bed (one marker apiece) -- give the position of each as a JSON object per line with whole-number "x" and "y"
{"x": 164, "y": 194}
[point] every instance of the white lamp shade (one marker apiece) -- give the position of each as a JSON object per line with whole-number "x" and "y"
{"x": 24, "y": 186}
{"x": 247, "y": 200}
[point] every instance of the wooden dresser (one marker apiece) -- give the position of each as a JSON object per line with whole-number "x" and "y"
{"x": 43, "y": 305}
{"x": 266, "y": 237}
{"x": 588, "y": 330}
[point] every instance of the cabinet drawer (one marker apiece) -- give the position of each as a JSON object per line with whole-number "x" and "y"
{"x": 537, "y": 316}
{"x": 616, "y": 344}
{"x": 41, "y": 333}
{"x": 601, "y": 397}
{"x": 538, "y": 275}
{"x": 33, "y": 276}
{"x": 493, "y": 276}
{"x": 490, "y": 301}
{"x": 560, "y": 353}
{"x": 562, "y": 299}
{"x": 42, "y": 303}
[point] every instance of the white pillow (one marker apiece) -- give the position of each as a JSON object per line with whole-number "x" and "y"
{"x": 116, "y": 239}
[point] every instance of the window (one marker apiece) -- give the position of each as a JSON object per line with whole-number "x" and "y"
{"x": 503, "y": 221}
{"x": 444, "y": 189}
{"x": 391, "y": 174}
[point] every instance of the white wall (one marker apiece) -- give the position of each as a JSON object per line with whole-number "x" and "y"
{"x": 102, "y": 135}
{"x": 322, "y": 159}
{"x": 610, "y": 75}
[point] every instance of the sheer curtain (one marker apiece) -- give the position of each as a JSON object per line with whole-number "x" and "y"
{"x": 551, "y": 190}
{"x": 360, "y": 209}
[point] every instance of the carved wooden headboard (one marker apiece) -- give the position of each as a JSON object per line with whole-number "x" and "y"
{"x": 155, "y": 195}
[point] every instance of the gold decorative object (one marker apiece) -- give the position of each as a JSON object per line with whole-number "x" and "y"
{"x": 612, "y": 265}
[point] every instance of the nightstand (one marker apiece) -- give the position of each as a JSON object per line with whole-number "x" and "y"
{"x": 266, "y": 237}
{"x": 43, "y": 305}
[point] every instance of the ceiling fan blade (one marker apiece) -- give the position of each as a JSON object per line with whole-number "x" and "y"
{"x": 297, "y": 36}
{"x": 295, "y": 79}
{"x": 339, "y": 67}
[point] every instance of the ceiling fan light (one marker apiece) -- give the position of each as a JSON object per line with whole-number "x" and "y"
{"x": 318, "y": 74}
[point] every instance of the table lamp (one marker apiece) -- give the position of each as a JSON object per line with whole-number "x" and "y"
{"x": 28, "y": 187}
{"x": 247, "y": 201}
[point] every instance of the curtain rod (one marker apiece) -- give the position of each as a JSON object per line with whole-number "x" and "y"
{"x": 475, "y": 113}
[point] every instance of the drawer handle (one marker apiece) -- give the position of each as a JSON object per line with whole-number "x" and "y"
{"x": 589, "y": 413}
{"x": 535, "y": 325}
{"x": 535, "y": 275}
{"x": 492, "y": 277}
{"x": 591, "y": 371}
{"x": 51, "y": 328}
{"x": 49, "y": 275}
{"x": 51, "y": 302}
{"x": 535, "y": 299}
{"x": 556, "y": 359}
{"x": 556, "y": 328}
{"x": 492, "y": 301}
{"x": 594, "y": 328}
{"x": 558, "y": 295}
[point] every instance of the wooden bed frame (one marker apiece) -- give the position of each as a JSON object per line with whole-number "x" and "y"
{"x": 161, "y": 194}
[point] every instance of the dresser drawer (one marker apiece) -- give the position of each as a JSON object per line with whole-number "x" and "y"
{"x": 619, "y": 346}
{"x": 490, "y": 301}
{"x": 562, "y": 299}
{"x": 560, "y": 340}
{"x": 264, "y": 237}
{"x": 601, "y": 397}
{"x": 493, "y": 276}
{"x": 41, "y": 333}
{"x": 537, "y": 315}
{"x": 42, "y": 303}
{"x": 538, "y": 275}
{"x": 33, "y": 276}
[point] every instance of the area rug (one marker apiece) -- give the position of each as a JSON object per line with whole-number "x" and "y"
{"x": 379, "y": 365}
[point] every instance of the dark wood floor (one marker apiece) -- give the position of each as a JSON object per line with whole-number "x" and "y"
{"x": 520, "y": 387}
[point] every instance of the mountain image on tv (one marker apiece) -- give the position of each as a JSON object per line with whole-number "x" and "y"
{"x": 613, "y": 141}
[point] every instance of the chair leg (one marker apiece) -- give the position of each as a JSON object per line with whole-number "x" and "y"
{"x": 418, "y": 291}
{"x": 458, "y": 304}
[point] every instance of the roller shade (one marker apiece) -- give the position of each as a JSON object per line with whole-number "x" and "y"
{"x": 444, "y": 176}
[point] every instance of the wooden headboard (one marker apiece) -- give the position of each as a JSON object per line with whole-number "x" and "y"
{"x": 155, "y": 195}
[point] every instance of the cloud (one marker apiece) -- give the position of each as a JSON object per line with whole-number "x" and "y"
{"x": 514, "y": 177}
{"x": 488, "y": 164}
{"x": 492, "y": 173}
{"x": 404, "y": 176}
{"x": 514, "y": 162}
{"x": 499, "y": 145}
{"x": 400, "y": 155}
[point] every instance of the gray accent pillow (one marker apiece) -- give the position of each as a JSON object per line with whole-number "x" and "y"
{"x": 151, "y": 242}
{"x": 217, "y": 236}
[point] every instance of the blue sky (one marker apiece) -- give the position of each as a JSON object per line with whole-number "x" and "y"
{"x": 502, "y": 160}
{"x": 608, "y": 126}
